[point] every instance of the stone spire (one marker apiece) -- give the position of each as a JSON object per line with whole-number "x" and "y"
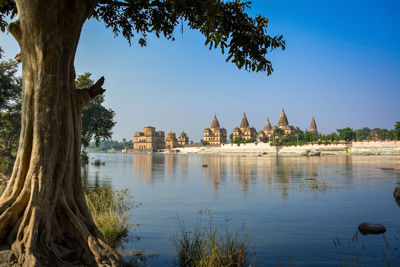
{"x": 215, "y": 123}
{"x": 244, "y": 123}
{"x": 283, "y": 119}
{"x": 267, "y": 125}
{"x": 313, "y": 126}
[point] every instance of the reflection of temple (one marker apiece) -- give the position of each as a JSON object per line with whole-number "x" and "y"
{"x": 216, "y": 171}
{"x": 244, "y": 172}
{"x": 148, "y": 167}
{"x": 215, "y": 135}
{"x": 149, "y": 139}
{"x": 170, "y": 167}
{"x": 245, "y": 131}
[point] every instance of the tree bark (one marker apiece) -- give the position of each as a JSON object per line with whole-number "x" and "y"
{"x": 44, "y": 218}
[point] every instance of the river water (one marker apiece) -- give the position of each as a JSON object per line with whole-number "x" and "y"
{"x": 292, "y": 208}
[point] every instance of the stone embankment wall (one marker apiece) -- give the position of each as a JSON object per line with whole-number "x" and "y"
{"x": 375, "y": 146}
{"x": 314, "y": 147}
{"x": 246, "y": 148}
{"x": 266, "y": 148}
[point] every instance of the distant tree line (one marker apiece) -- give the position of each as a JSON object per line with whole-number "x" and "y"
{"x": 105, "y": 145}
{"x": 345, "y": 134}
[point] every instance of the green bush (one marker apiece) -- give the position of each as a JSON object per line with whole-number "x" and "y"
{"x": 98, "y": 163}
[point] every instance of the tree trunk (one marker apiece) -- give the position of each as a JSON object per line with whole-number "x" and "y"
{"x": 44, "y": 218}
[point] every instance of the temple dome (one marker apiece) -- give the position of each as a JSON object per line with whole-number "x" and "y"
{"x": 267, "y": 126}
{"x": 313, "y": 125}
{"x": 283, "y": 121}
{"x": 244, "y": 123}
{"x": 215, "y": 123}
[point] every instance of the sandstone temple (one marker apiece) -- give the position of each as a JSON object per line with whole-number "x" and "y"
{"x": 245, "y": 131}
{"x": 149, "y": 139}
{"x": 313, "y": 126}
{"x": 215, "y": 135}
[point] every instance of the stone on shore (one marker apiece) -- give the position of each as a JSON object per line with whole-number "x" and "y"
{"x": 314, "y": 153}
{"x": 391, "y": 168}
{"x": 374, "y": 229}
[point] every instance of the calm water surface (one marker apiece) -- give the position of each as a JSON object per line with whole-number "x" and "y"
{"x": 292, "y": 207}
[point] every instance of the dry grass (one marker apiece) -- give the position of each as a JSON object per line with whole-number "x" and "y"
{"x": 111, "y": 211}
{"x": 211, "y": 247}
{"x": 2, "y": 188}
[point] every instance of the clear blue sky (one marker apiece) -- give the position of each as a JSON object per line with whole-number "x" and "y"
{"x": 341, "y": 65}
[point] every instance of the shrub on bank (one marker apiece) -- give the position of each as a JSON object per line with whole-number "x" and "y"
{"x": 98, "y": 163}
{"x": 111, "y": 211}
{"x": 211, "y": 247}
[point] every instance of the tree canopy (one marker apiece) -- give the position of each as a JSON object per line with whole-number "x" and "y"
{"x": 225, "y": 25}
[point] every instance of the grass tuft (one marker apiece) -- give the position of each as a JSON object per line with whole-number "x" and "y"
{"x": 98, "y": 163}
{"x": 211, "y": 247}
{"x": 111, "y": 211}
{"x": 2, "y": 188}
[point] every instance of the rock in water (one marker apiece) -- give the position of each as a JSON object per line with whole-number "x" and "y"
{"x": 396, "y": 194}
{"x": 371, "y": 229}
{"x": 314, "y": 153}
{"x": 204, "y": 166}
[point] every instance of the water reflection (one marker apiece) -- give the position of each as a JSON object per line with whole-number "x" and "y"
{"x": 149, "y": 167}
{"x": 93, "y": 180}
{"x": 314, "y": 174}
{"x": 216, "y": 172}
{"x": 293, "y": 205}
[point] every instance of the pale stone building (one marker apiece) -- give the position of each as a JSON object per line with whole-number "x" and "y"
{"x": 171, "y": 141}
{"x": 313, "y": 126}
{"x": 245, "y": 131}
{"x": 215, "y": 135}
{"x": 266, "y": 132}
{"x": 149, "y": 139}
{"x": 283, "y": 124}
{"x": 183, "y": 139}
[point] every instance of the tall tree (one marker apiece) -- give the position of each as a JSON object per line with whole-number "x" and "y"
{"x": 346, "y": 134}
{"x": 97, "y": 120}
{"x": 397, "y": 130}
{"x": 10, "y": 105}
{"x": 43, "y": 214}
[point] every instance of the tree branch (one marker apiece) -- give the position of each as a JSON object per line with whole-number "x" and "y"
{"x": 110, "y": 2}
{"x": 87, "y": 94}
{"x": 123, "y": 4}
{"x": 96, "y": 89}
